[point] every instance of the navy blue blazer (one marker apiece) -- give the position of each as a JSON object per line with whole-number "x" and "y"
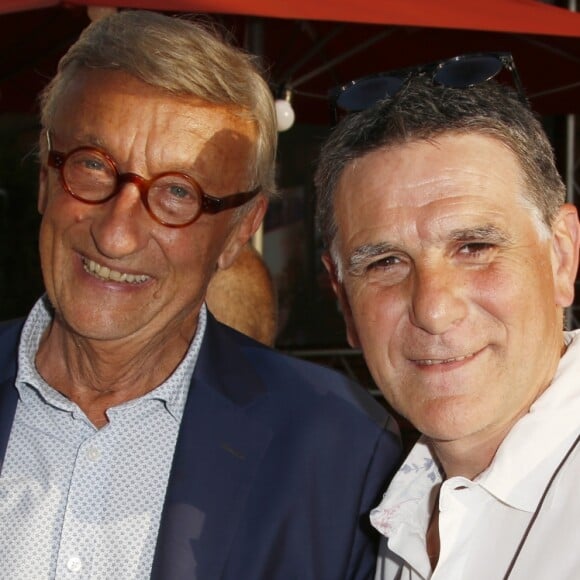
{"x": 277, "y": 464}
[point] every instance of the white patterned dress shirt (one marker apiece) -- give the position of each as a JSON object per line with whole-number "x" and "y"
{"x": 77, "y": 502}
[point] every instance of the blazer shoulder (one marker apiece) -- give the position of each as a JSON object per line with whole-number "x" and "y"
{"x": 11, "y": 328}
{"x": 313, "y": 381}
{"x": 10, "y": 331}
{"x": 294, "y": 388}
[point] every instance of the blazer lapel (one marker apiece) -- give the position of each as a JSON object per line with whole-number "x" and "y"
{"x": 218, "y": 452}
{"x": 8, "y": 393}
{"x": 8, "y": 401}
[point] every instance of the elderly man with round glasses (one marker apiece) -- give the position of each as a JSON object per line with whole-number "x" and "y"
{"x": 453, "y": 255}
{"x": 139, "y": 437}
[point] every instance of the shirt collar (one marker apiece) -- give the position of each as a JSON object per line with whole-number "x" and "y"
{"x": 403, "y": 514}
{"x": 521, "y": 467}
{"x": 173, "y": 392}
{"x": 409, "y": 492}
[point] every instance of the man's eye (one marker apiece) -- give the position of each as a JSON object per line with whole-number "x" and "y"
{"x": 385, "y": 262}
{"x": 172, "y": 190}
{"x": 476, "y": 248}
{"x": 87, "y": 164}
{"x": 94, "y": 164}
{"x": 179, "y": 191}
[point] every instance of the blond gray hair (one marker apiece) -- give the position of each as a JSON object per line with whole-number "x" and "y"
{"x": 183, "y": 57}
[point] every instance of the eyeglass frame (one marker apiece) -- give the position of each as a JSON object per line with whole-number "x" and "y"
{"x": 208, "y": 203}
{"x": 506, "y": 59}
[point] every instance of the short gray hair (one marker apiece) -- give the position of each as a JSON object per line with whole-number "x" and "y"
{"x": 422, "y": 110}
{"x": 180, "y": 56}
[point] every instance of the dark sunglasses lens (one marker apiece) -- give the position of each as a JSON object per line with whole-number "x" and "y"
{"x": 364, "y": 93}
{"x": 467, "y": 71}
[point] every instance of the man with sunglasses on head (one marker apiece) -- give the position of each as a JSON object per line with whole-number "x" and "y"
{"x": 139, "y": 437}
{"x": 453, "y": 255}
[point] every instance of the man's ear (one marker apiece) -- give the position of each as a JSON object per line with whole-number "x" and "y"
{"x": 341, "y": 296}
{"x": 565, "y": 249}
{"x": 245, "y": 227}
{"x": 42, "y": 190}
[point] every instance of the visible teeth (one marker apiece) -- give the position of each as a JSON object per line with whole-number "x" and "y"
{"x": 105, "y": 273}
{"x": 433, "y": 361}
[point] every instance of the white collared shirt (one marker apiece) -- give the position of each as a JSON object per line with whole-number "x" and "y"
{"x": 78, "y": 502}
{"x": 482, "y": 522}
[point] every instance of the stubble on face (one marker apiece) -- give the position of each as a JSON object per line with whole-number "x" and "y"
{"x": 448, "y": 286}
{"x": 111, "y": 271}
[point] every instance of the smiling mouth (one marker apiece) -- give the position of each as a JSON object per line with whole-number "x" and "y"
{"x": 428, "y": 362}
{"x": 105, "y": 273}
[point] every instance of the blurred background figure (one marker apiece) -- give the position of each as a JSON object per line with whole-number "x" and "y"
{"x": 244, "y": 297}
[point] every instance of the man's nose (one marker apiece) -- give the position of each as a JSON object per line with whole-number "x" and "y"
{"x": 438, "y": 301}
{"x": 121, "y": 225}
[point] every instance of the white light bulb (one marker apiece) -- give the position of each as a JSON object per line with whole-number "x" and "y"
{"x": 284, "y": 114}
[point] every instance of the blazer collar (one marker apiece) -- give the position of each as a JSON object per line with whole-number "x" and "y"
{"x": 224, "y": 366}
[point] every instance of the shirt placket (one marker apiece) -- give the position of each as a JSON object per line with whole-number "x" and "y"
{"x": 84, "y": 507}
{"x": 460, "y": 507}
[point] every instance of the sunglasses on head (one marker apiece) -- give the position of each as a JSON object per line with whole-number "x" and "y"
{"x": 459, "y": 72}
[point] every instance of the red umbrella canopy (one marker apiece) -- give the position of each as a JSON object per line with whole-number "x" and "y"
{"x": 519, "y": 16}
{"x": 311, "y": 46}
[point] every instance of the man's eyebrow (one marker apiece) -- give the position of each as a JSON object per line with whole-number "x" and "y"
{"x": 363, "y": 254}
{"x": 79, "y": 139}
{"x": 486, "y": 233}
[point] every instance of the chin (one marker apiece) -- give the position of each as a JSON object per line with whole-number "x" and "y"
{"x": 102, "y": 325}
{"x": 445, "y": 421}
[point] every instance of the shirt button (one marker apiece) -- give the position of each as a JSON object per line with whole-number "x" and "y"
{"x": 93, "y": 454}
{"x": 74, "y": 564}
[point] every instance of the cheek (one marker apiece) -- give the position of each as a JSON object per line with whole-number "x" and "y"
{"x": 511, "y": 290}
{"x": 377, "y": 314}
{"x": 193, "y": 251}
{"x": 56, "y": 219}
{"x": 62, "y": 211}
{"x": 380, "y": 322}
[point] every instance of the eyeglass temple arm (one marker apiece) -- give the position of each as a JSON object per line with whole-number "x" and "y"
{"x": 48, "y": 143}
{"x": 213, "y": 205}
{"x": 511, "y": 66}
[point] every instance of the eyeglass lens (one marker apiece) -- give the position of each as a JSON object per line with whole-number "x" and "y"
{"x": 461, "y": 73}
{"x": 92, "y": 177}
{"x": 366, "y": 92}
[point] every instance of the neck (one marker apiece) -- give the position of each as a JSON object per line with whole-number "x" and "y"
{"x": 97, "y": 374}
{"x": 469, "y": 456}
{"x": 460, "y": 459}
